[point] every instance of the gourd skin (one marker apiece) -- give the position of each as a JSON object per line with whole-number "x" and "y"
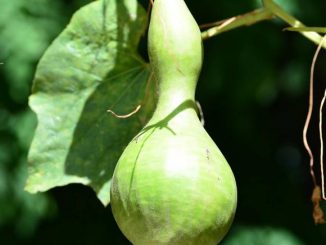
{"x": 172, "y": 185}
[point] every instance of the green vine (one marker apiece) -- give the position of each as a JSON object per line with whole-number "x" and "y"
{"x": 269, "y": 11}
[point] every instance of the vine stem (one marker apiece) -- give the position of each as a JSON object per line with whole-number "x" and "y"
{"x": 269, "y": 11}
{"x": 237, "y": 21}
{"x": 282, "y": 14}
{"x": 307, "y": 28}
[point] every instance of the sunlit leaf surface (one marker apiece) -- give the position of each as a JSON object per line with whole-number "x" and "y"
{"x": 91, "y": 67}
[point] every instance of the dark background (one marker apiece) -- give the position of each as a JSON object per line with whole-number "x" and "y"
{"x": 254, "y": 93}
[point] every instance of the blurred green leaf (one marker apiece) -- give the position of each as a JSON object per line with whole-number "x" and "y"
{"x": 18, "y": 206}
{"x": 292, "y": 7}
{"x": 91, "y": 67}
{"x": 20, "y": 49}
{"x": 30, "y": 207}
{"x": 261, "y": 235}
{"x": 23, "y": 126}
{"x": 293, "y": 78}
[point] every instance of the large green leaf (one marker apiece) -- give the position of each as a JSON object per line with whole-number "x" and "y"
{"x": 91, "y": 67}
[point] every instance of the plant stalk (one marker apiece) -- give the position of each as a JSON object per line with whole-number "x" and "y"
{"x": 269, "y": 11}
{"x": 238, "y": 21}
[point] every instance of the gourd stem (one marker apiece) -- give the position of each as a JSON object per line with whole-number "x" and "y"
{"x": 269, "y": 11}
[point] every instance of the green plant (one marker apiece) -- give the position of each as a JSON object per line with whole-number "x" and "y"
{"x": 172, "y": 185}
{"x": 100, "y": 69}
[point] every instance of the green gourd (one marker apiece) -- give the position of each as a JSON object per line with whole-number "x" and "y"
{"x": 172, "y": 184}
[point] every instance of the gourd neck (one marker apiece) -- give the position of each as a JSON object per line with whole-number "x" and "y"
{"x": 176, "y": 97}
{"x": 175, "y": 53}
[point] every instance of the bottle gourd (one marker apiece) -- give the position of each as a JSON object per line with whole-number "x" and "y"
{"x": 172, "y": 185}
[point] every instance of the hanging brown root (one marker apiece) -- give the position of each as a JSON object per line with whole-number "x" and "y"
{"x": 317, "y": 213}
{"x": 127, "y": 115}
{"x": 322, "y": 145}
{"x": 306, "y": 126}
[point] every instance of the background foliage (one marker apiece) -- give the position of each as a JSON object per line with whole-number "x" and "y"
{"x": 253, "y": 90}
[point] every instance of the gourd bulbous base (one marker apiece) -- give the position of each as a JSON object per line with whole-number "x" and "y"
{"x": 172, "y": 185}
